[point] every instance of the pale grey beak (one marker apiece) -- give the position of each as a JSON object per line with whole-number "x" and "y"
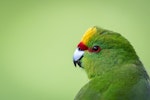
{"x": 78, "y": 54}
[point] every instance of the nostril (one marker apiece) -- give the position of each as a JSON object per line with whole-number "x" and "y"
{"x": 79, "y": 49}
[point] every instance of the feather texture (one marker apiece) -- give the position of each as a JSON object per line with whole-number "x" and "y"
{"x": 115, "y": 73}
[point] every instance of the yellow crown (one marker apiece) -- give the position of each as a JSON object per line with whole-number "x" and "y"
{"x": 89, "y": 33}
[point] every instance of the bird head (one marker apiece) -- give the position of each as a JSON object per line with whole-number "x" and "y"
{"x": 99, "y": 50}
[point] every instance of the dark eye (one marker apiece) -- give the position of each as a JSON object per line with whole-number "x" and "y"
{"x": 96, "y": 49}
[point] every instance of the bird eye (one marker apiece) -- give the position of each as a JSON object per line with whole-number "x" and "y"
{"x": 95, "y": 49}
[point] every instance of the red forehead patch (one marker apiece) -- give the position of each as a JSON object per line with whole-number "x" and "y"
{"x": 82, "y": 46}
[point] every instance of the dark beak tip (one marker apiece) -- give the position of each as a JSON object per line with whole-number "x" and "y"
{"x": 74, "y": 63}
{"x": 78, "y": 62}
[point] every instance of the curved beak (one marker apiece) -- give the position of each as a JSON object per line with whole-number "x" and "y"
{"x": 78, "y": 54}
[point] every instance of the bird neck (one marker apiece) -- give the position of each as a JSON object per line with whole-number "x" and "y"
{"x": 109, "y": 60}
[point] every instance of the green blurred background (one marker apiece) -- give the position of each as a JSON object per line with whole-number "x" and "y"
{"x": 38, "y": 38}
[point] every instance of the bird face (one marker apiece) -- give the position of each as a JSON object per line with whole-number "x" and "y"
{"x": 79, "y": 52}
{"x": 82, "y": 47}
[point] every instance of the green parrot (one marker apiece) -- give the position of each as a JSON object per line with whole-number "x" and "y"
{"x": 112, "y": 66}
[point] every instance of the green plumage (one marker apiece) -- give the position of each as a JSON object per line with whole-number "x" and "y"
{"x": 115, "y": 73}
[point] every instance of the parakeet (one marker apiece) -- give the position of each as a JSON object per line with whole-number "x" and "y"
{"x": 114, "y": 70}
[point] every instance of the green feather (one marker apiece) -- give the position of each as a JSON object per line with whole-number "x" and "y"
{"x": 115, "y": 73}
